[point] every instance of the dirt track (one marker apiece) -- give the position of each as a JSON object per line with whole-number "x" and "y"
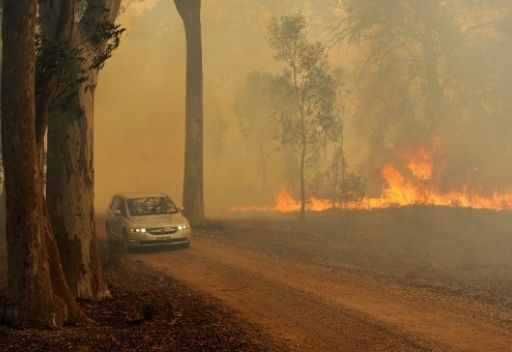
{"x": 316, "y": 307}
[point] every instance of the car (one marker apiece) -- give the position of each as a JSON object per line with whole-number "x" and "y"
{"x": 145, "y": 220}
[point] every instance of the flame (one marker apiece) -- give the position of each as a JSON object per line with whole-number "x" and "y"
{"x": 414, "y": 186}
{"x": 285, "y": 203}
{"x": 420, "y": 165}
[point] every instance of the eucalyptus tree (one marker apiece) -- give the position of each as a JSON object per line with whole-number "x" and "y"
{"x": 433, "y": 74}
{"x": 405, "y": 39}
{"x": 307, "y": 83}
{"x": 403, "y": 81}
{"x": 37, "y": 293}
{"x": 193, "y": 188}
{"x": 71, "y": 59}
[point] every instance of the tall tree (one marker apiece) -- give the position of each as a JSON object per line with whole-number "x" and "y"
{"x": 193, "y": 188}
{"x": 431, "y": 71}
{"x": 38, "y": 294}
{"x": 406, "y": 47}
{"x": 405, "y": 39}
{"x": 311, "y": 87}
{"x": 70, "y": 185}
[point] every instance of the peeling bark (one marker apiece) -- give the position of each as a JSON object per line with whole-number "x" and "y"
{"x": 38, "y": 295}
{"x": 70, "y": 185}
{"x": 70, "y": 191}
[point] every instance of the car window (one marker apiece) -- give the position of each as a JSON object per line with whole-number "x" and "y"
{"x": 151, "y": 206}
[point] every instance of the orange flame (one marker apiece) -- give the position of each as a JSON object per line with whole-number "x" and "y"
{"x": 400, "y": 190}
{"x": 420, "y": 165}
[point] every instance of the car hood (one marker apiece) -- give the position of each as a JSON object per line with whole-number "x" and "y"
{"x": 158, "y": 220}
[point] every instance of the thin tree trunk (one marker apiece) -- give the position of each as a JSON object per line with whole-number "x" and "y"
{"x": 37, "y": 291}
{"x": 335, "y": 180}
{"x": 264, "y": 172}
{"x": 303, "y": 184}
{"x": 193, "y": 197}
{"x": 304, "y": 142}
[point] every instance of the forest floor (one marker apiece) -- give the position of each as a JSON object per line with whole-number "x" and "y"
{"x": 412, "y": 279}
{"x": 148, "y": 312}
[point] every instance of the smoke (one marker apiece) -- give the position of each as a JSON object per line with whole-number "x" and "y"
{"x": 131, "y": 9}
{"x": 140, "y": 110}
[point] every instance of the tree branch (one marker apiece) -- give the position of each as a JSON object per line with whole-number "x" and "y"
{"x": 98, "y": 12}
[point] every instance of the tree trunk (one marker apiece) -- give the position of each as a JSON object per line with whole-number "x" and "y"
{"x": 336, "y": 164}
{"x": 70, "y": 184}
{"x": 193, "y": 198}
{"x": 70, "y": 189}
{"x": 303, "y": 184}
{"x": 299, "y": 92}
{"x": 2, "y": 185}
{"x": 37, "y": 291}
{"x": 264, "y": 172}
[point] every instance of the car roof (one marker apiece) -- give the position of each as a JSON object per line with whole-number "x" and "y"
{"x": 132, "y": 195}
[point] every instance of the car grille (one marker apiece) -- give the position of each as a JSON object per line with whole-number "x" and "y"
{"x": 161, "y": 231}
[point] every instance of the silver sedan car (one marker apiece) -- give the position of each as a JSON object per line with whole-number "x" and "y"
{"x": 141, "y": 220}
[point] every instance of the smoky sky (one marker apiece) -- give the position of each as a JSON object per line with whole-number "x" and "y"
{"x": 140, "y": 125}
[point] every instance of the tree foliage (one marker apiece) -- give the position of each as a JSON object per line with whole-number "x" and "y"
{"x": 66, "y": 62}
{"x": 308, "y": 113}
{"x": 429, "y": 71}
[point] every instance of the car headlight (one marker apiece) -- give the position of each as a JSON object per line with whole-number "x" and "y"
{"x": 137, "y": 230}
{"x": 183, "y": 227}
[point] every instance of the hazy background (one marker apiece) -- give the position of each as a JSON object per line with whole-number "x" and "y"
{"x": 140, "y": 101}
{"x": 140, "y": 98}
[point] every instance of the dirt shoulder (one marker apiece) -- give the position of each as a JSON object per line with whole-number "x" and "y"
{"x": 148, "y": 312}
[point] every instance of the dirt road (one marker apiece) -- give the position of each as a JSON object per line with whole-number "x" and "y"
{"x": 316, "y": 307}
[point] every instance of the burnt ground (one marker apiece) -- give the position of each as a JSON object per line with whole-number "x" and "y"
{"x": 464, "y": 251}
{"x": 148, "y": 312}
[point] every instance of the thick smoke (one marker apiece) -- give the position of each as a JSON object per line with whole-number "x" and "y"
{"x": 140, "y": 105}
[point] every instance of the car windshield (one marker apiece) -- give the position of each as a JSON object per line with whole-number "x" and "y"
{"x": 151, "y": 206}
